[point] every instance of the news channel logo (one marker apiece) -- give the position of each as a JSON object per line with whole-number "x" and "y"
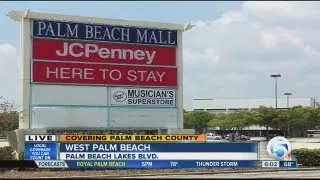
{"x": 279, "y": 148}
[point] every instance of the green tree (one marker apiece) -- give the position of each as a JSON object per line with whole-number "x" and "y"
{"x": 281, "y": 121}
{"x": 267, "y": 116}
{"x": 299, "y": 120}
{"x": 314, "y": 117}
{"x": 236, "y": 120}
{"x": 221, "y": 120}
{"x": 304, "y": 118}
{"x": 9, "y": 117}
{"x": 244, "y": 118}
{"x": 8, "y": 121}
{"x": 197, "y": 120}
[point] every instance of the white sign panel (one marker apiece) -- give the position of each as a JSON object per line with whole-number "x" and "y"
{"x": 141, "y": 117}
{"x": 143, "y": 97}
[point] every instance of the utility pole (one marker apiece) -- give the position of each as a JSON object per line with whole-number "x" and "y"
{"x": 288, "y": 94}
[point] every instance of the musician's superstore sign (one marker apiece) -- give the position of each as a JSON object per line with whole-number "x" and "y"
{"x": 143, "y": 96}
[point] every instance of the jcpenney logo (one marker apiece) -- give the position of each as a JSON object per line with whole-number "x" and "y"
{"x": 65, "y": 50}
{"x": 87, "y": 50}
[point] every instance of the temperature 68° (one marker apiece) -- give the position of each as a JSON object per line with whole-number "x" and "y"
{"x": 287, "y": 164}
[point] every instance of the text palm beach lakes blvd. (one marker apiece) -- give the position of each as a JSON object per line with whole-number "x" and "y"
{"x": 62, "y": 50}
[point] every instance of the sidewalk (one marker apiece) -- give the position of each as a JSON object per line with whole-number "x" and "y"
{"x": 217, "y": 171}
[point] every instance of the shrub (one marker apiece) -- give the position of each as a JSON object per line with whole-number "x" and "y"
{"x": 21, "y": 156}
{"x": 6, "y": 153}
{"x": 8, "y": 121}
{"x": 307, "y": 157}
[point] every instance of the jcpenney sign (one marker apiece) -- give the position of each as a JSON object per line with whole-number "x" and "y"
{"x": 62, "y": 50}
{"x": 143, "y": 97}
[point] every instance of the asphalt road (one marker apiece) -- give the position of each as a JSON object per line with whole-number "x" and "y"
{"x": 276, "y": 175}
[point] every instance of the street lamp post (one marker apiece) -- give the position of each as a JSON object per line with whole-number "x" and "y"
{"x": 288, "y": 106}
{"x": 276, "y": 76}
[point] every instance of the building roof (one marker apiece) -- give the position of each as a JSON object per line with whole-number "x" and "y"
{"x": 235, "y": 103}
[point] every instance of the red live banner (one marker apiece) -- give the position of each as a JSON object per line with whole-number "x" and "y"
{"x": 102, "y": 74}
{"x": 80, "y": 51}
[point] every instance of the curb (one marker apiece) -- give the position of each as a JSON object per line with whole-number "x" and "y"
{"x": 224, "y": 172}
{"x": 188, "y": 173}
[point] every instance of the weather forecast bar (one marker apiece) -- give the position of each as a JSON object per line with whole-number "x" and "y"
{"x": 157, "y": 164}
{"x": 125, "y": 164}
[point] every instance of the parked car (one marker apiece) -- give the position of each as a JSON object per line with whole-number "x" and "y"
{"x": 238, "y": 137}
{"x": 243, "y": 137}
{"x": 213, "y": 137}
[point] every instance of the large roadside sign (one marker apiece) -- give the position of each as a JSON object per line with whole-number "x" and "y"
{"x": 94, "y": 72}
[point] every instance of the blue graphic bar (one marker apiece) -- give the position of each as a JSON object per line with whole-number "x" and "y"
{"x": 287, "y": 164}
{"x": 40, "y": 151}
{"x": 160, "y": 164}
{"x": 158, "y": 147}
{"x": 97, "y": 32}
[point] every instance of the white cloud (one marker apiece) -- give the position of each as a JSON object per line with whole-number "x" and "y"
{"x": 234, "y": 55}
{"x": 247, "y": 45}
{"x": 282, "y": 11}
{"x": 9, "y": 72}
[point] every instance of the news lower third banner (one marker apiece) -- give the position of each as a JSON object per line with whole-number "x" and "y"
{"x": 136, "y": 151}
{"x": 158, "y": 151}
{"x": 141, "y": 151}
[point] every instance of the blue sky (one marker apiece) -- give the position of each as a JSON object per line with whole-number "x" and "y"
{"x": 175, "y": 12}
{"x": 231, "y": 52}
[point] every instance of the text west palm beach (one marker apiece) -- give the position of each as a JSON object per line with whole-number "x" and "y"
{"x": 107, "y": 147}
